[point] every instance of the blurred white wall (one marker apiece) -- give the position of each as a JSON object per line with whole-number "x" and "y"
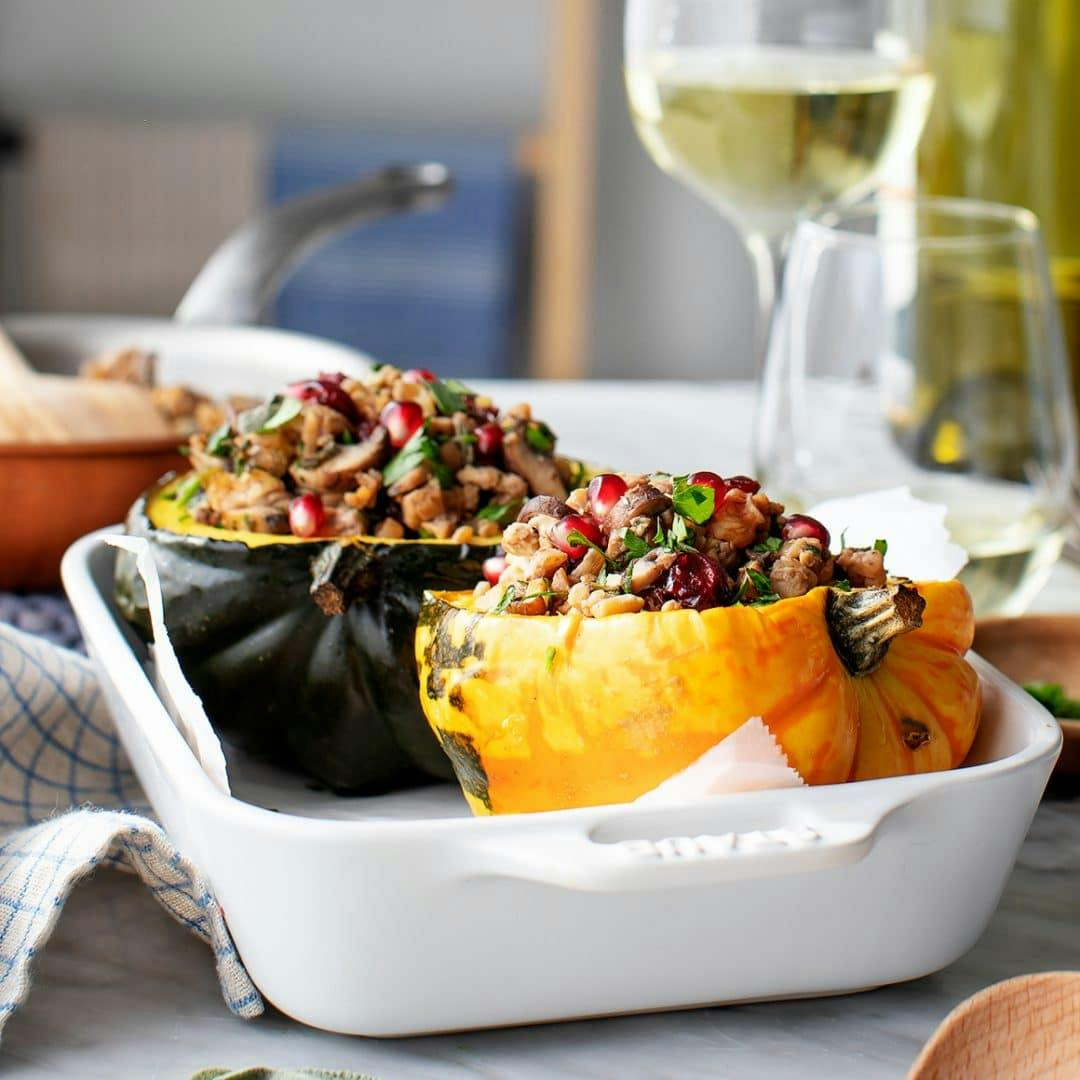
{"x": 424, "y": 62}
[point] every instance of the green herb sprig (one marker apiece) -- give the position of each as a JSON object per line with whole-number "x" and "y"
{"x": 694, "y": 501}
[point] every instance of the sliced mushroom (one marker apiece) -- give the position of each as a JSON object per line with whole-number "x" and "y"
{"x": 641, "y": 501}
{"x": 541, "y": 473}
{"x": 543, "y": 504}
{"x": 336, "y": 472}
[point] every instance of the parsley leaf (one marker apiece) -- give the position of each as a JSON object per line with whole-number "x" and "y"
{"x": 694, "y": 501}
{"x": 188, "y": 489}
{"x": 635, "y": 546}
{"x": 763, "y": 588}
{"x": 578, "y": 539}
{"x": 501, "y": 513}
{"x": 678, "y": 536}
{"x": 420, "y": 449}
{"x": 1052, "y": 696}
{"x": 269, "y": 416}
{"x": 539, "y": 436}
{"x": 761, "y": 583}
{"x": 881, "y": 546}
{"x": 769, "y": 546}
{"x": 219, "y": 443}
{"x": 451, "y": 396}
{"x": 841, "y": 583}
{"x": 505, "y": 600}
{"x": 549, "y": 657}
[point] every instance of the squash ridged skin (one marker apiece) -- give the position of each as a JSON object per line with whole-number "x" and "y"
{"x": 333, "y": 696}
{"x": 545, "y": 713}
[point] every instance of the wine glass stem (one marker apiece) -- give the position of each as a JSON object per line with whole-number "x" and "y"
{"x": 767, "y": 254}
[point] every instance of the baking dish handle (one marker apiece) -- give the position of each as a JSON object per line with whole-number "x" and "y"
{"x": 575, "y": 860}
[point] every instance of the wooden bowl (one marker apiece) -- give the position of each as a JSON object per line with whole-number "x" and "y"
{"x": 1039, "y": 648}
{"x": 53, "y": 494}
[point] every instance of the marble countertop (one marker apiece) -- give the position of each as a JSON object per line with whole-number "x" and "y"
{"x": 122, "y": 991}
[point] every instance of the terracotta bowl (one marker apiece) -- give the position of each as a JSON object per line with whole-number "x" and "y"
{"x": 55, "y": 494}
{"x": 1039, "y": 648}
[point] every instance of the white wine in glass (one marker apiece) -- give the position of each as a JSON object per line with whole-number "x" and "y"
{"x": 769, "y": 108}
{"x": 763, "y": 133}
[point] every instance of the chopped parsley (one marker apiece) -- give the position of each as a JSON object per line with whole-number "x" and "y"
{"x": 578, "y": 539}
{"x": 549, "y": 657}
{"x": 220, "y": 442}
{"x": 841, "y": 583}
{"x": 1052, "y": 696}
{"x": 419, "y": 450}
{"x": 881, "y": 547}
{"x": 451, "y": 395}
{"x": 269, "y": 416}
{"x": 694, "y": 501}
{"x": 501, "y": 513}
{"x": 769, "y": 546}
{"x": 510, "y": 596}
{"x": 634, "y": 544}
{"x": 763, "y": 588}
{"x": 187, "y": 490}
{"x": 539, "y": 436}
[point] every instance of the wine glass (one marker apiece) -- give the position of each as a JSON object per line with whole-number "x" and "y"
{"x": 768, "y": 107}
{"x": 918, "y": 343}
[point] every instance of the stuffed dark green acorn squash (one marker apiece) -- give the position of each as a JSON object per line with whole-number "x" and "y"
{"x": 294, "y": 556}
{"x": 301, "y": 650}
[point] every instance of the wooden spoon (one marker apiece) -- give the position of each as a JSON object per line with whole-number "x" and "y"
{"x": 1028, "y": 1026}
{"x": 56, "y": 408}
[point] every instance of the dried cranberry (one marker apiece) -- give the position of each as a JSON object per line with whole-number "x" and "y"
{"x": 306, "y": 515}
{"x": 696, "y": 581}
{"x": 605, "y": 491}
{"x": 336, "y": 378}
{"x": 801, "y": 525}
{"x": 743, "y": 483}
{"x": 494, "y": 565}
{"x": 561, "y": 530}
{"x": 489, "y": 439}
{"x": 418, "y": 374}
{"x": 402, "y": 420}
{"x": 326, "y": 393}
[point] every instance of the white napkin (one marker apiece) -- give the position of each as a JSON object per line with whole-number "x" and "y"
{"x": 919, "y": 543}
{"x": 749, "y": 759}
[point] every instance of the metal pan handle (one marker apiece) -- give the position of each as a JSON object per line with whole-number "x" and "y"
{"x": 244, "y": 274}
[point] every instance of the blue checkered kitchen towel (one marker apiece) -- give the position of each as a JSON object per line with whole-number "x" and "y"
{"x": 68, "y": 803}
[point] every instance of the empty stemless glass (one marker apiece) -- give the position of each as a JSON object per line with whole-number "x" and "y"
{"x": 919, "y": 344}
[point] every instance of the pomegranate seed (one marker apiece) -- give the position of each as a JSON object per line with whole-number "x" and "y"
{"x": 561, "y": 530}
{"x": 743, "y": 483}
{"x": 326, "y": 393}
{"x": 696, "y": 581}
{"x": 712, "y": 480}
{"x": 494, "y": 567}
{"x": 418, "y": 374}
{"x": 800, "y": 525}
{"x": 306, "y": 515}
{"x": 605, "y": 491}
{"x": 335, "y": 378}
{"x": 489, "y": 439}
{"x": 402, "y": 419}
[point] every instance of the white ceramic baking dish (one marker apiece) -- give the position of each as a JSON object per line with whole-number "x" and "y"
{"x": 402, "y": 914}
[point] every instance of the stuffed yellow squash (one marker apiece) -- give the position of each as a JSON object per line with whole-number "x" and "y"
{"x": 579, "y": 674}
